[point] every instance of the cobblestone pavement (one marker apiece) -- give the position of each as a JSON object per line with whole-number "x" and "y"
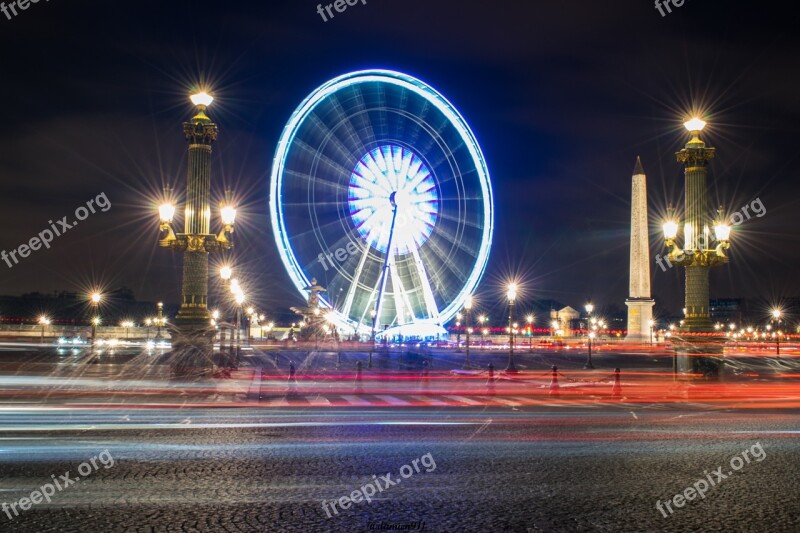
{"x": 495, "y": 469}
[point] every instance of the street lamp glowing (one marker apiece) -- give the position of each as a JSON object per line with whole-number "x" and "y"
{"x": 167, "y": 212}
{"x": 670, "y": 229}
{"x": 96, "y": 321}
{"x": 776, "y": 313}
{"x": 589, "y": 308}
{"x": 96, "y": 297}
{"x": 239, "y": 297}
{"x": 202, "y": 99}
{"x": 529, "y": 319}
{"x": 44, "y": 321}
{"x": 722, "y": 232}
{"x": 225, "y": 273}
{"x": 228, "y": 213}
{"x": 695, "y": 125}
{"x": 511, "y": 293}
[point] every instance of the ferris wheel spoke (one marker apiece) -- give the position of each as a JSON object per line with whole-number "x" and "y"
{"x": 353, "y": 133}
{"x": 446, "y": 260}
{"x": 335, "y": 166}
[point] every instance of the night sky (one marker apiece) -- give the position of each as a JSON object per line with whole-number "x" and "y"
{"x": 561, "y": 95}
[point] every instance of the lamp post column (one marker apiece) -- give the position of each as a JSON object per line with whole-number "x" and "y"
{"x": 512, "y": 296}
{"x": 201, "y": 133}
{"x": 695, "y": 157}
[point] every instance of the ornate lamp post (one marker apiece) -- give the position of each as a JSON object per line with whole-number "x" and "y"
{"x": 590, "y": 334}
{"x": 696, "y": 255}
{"x": 195, "y": 340}
{"x": 511, "y": 294}
{"x": 652, "y": 324}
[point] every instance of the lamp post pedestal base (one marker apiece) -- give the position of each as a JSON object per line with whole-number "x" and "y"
{"x": 192, "y": 350}
{"x": 698, "y": 356}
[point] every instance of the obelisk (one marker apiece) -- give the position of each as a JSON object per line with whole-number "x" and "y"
{"x": 640, "y": 305}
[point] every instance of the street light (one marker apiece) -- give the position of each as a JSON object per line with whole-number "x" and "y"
{"x": 373, "y": 314}
{"x": 127, "y": 324}
{"x": 197, "y": 241}
{"x": 239, "y": 298}
{"x": 250, "y": 315}
{"x": 95, "y": 323}
{"x": 226, "y": 273}
{"x": 159, "y": 320}
{"x": 95, "y": 299}
{"x": 467, "y": 313}
{"x": 530, "y": 319}
{"x": 459, "y": 317}
{"x": 44, "y": 322}
{"x": 589, "y": 308}
{"x": 776, "y": 315}
{"x": 511, "y": 294}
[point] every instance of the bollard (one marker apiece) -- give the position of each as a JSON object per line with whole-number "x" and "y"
{"x": 490, "y": 381}
{"x": 358, "y": 382}
{"x": 292, "y": 384}
{"x": 616, "y": 390}
{"x": 555, "y": 388}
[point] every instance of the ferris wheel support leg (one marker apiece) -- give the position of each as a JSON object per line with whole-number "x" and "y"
{"x": 379, "y": 300}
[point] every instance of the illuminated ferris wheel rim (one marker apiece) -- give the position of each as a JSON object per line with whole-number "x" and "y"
{"x": 299, "y": 278}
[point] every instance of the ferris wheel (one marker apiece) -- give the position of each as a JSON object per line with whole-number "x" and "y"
{"x": 380, "y": 191}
